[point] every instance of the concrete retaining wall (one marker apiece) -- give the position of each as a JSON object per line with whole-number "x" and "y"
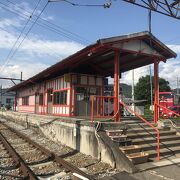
{"x": 75, "y": 133}
{"x": 71, "y": 132}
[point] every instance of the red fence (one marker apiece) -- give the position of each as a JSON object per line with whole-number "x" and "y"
{"x": 102, "y": 106}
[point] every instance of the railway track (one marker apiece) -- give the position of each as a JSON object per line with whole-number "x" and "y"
{"x": 23, "y": 158}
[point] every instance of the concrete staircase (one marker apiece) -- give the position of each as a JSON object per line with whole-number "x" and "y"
{"x": 138, "y": 141}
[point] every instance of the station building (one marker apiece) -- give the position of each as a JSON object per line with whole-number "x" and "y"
{"x": 67, "y": 87}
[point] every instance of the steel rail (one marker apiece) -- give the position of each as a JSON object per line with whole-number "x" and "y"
{"x": 26, "y": 171}
{"x": 50, "y": 154}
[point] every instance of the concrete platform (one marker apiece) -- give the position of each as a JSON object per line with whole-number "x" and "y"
{"x": 79, "y": 133}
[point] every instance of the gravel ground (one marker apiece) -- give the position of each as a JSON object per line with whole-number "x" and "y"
{"x": 86, "y": 163}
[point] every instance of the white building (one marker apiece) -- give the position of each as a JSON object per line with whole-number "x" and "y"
{"x": 6, "y": 98}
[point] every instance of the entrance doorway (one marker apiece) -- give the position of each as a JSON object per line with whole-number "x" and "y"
{"x": 49, "y": 101}
{"x": 36, "y": 103}
{"x": 83, "y": 100}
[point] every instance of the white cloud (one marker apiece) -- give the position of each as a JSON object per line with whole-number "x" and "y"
{"x": 34, "y": 45}
{"x": 32, "y": 57}
{"x": 14, "y": 71}
{"x": 25, "y": 9}
{"x": 170, "y": 71}
{"x": 139, "y": 72}
{"x": 10, "y": 22}
{"x": 175, "y": 47}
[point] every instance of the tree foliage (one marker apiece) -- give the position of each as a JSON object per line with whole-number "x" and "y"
{"x": 143, "y": 88}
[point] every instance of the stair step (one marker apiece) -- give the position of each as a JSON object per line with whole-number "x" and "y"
{"x": 131, "y": 149}
{"x": 139, "y": 130}
{"x": 112, "y": 133}
{"x": 153, "y": 140}
{"x": 140, "y": 125}
{"x": 122, "y": 141}
{"x": 139, "y": 157}
{"x": 164, "y": 152}
{"x": 146, "y": 134}
{"x": 165, "y": 144}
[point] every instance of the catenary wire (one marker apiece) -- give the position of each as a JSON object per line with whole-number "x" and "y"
{"x": 21, "y": 33}
{"x": 7, "y": 60}
{"x": 82, "y": 39}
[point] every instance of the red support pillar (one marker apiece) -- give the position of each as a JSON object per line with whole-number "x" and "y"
{"x": 70, "y": 97}
{"x": 156, "y": 91}
{"x": 116, "y": 85}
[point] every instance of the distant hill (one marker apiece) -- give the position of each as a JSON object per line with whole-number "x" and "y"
{"x": 127, "y": 90}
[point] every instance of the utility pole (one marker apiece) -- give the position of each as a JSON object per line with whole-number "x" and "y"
{"x": 150, "y": 76}
{"x": 21, "y": 77}
{"x": 149, "y": 20}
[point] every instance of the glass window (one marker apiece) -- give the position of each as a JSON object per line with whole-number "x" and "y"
{"x": 8, "y": 101}
{"x": 25, "y": 100}
{"x": 60, "y": 97}
{"x": 49, "y": 96}
{"x": 165, "y": 96}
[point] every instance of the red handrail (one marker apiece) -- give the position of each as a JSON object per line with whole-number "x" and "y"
{"x": 168, "y": 110}
{"x": 157, "y": 131}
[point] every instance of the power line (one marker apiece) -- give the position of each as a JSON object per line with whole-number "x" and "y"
{"x": 54, "y": 56}
{"x": 66, "y": 33}
{"x": 105, "y": 5}
{"x": 71, "y": 36}
{"x": 7, "y": 60}
{"x": 20, "y": 34}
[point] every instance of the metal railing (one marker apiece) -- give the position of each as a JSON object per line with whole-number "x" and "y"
{"x": 149, "y": 124}
{"x": 102, "y": 106}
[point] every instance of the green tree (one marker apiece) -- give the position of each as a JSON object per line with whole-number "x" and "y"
{"x": 143, "y": 88}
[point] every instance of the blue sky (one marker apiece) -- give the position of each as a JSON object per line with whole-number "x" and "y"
{"x": 77, "y": 28}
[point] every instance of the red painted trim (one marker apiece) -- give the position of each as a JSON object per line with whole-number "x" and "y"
{"x": 25, "y": 111}
{"x": 141, "y": 53}
{"x": 64, "y": 89}
{"x": 116, "y": 85}
{"x": 70, "y": 96}
{"x": 60, "y": 105}
{"x": 156, "y": 91}
{"x": 81, "y": 85}
{"x": 26, "y": 105}
{"x": 60, "y": 115}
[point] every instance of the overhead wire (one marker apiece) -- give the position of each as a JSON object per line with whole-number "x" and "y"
{"x": 105, "y": 5}
{"x": 54, "y": 56}
{"x": 7, "y": 60}
{"x": 68, "y": 34}
{"x": 21, "y": 33}
{"x": 55, "y": 30}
